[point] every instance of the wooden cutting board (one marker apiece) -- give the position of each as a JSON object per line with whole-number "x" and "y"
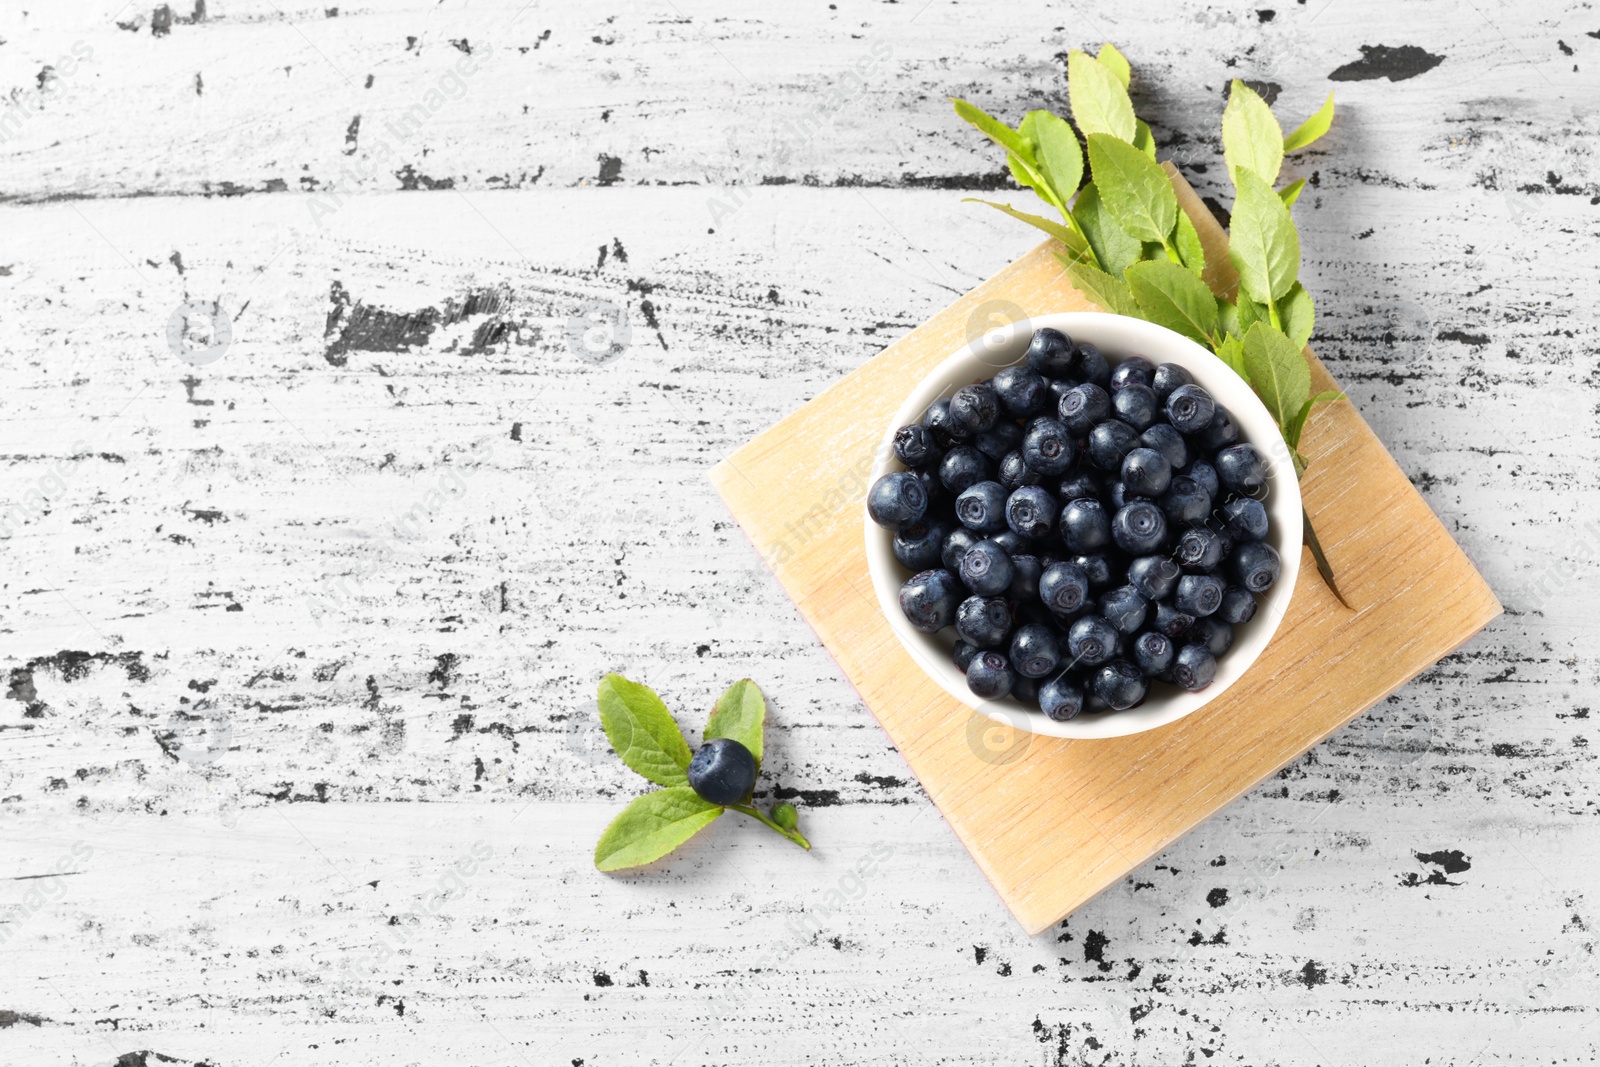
{"x": 1052, "y": 822}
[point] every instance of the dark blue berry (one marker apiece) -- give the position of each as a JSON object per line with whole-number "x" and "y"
{"x": 963, "y": 467}
{"x": 1146, "y": 472}
{"x": 937, "y": 420}
{"x": 1117, "y": 495}
{"x": 897, "y": 500}
{"x": 929, "y": 477}
{"x": 1220, "y": 432}
{"x": 1169, "y": 442}
{"x": 1025, "y": 690}
{"x": 1080, "y": 483}
{"x": 920, "y": 547}
{"x": 1035, "y": 652}
{"x": 915, "y": 447}
{"x": 962, "y": 655}
{"x": 1198, "y": 594}
{"x": 1140, "y": 528}
{"x": 1120, "y": 684}
{"x": 1153, "y": 653}
{"x": 1136, "y": 405}
{"x": 1167, "y": 377}
{"x": 1246, "y": 518}
{"x": 1083, "y": 407}
{"x": 974, "y": 408}
{"x": 1092, "y": 701}
{"x": 1097, "y": 565}
{"x": 1064, "y": 587}
{"x": 1213, "y": 633}
{"x": 1013, "y": 542}
{"x": 1238, "y": 605}
{"x": 1123, "y": 608}
{"x": 1171, "y": 622}
{"x": 1190, "y": 409}
{"x": 986, "y": 569}
{"x": 1014, "y": 472}
{"x": 1031, "y": 511}
{"x": 1205, "y": 475}
{"x": 1051, "y": 353}
{"x": 1241, "y": 469}
{"x": 990, "y": 676}
{"x": 1092, "y": 366}
{"x": 1085, "y": 526}
{"x": 982, "y": 507}
{"x": 983, "y": 621}
{"x": 1047, "y": 447}
{"x": 1194, "y": 667}
{"x": 955, "y": 546}
{"x": 1021, "y": 391}
{"x": 1109, "y": 442}
{"x": 723, "y": 771}
{"x": 1092, "y": 640}
{"x": 930, "y": 598}
{"x": 1061, "y": 699}
{"x": 1153, "y": 577}
{"x": 1255, "y": 565}
{"x": 1026, "y": 571}
{"x": 1004, "y": 436}
{"x": 1134, "y": 370}
{"x": 1199, "y": 550}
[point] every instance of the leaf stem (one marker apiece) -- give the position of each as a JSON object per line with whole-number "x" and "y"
{"x": 793, "y": 835}
{"x": 1172, "y": 252}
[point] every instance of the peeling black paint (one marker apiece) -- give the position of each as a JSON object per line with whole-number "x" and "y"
{"x": 1381, "y": 61}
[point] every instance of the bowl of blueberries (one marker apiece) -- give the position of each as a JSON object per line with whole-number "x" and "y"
{"x": 1084, "y": 525}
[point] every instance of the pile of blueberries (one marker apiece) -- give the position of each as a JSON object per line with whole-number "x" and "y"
{"x": 1086, "y": 530}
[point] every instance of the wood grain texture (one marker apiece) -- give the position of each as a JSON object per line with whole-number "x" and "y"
{"x": 1417, "y": 887}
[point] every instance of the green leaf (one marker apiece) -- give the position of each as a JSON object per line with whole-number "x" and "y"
{"x": 1134, "y": 188}
{"x": 1116, "y": 63}
{"x": 1277, "y": 369}
{"x": 1324, "y": 568}
{"x": 1298, "y": 314}
{"x": 1251, "y": 137}
{"x": 1231, "y": 352}
{"x": 642, "y": 730}
{"x": 1110, "y": 293}
{"x": 1112, "y": 246}
{"x": 738, "y": 715}
{"x": 1190, "y": 250}
{"x": 1144, "y": 140}
{"x": 1291, "y": 192}
{"x": 1262, "y": 242}
{"x": 1250, "y": 313}
{"x": 995, "y": 130}
{"x": 652, "y": 826}
{"x": 1172, "y": 296}
{"x": 1312, "y": 128}
{"x": 1297, "y": 425}
{"x": 1057, "y": 151}
{"x": 1055, "y": 229}
{"x": 1099, "y": 100}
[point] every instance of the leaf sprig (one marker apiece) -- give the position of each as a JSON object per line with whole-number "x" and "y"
{"x": 1133, "y": 251}
{"x": 646, "y": 737}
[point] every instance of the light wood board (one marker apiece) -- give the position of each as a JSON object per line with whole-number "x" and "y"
{"x": 1052, "y": 822}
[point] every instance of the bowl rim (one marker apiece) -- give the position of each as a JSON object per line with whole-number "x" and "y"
{"x": 1118, "y": 336}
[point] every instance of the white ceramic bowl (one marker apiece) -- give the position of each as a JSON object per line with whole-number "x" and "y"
{"x": 1117, "y": 337}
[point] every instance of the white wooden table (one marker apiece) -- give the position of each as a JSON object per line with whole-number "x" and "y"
{"x": 362, "y": 368}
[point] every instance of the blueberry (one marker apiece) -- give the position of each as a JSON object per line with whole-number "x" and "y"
{"x": 1092, "y": 640}
{"x": 1153, "y": 577}
{"x": 1080, "y": 483}
{"x": 1092, "y": 701}
{"x": 1059, "y": 388}
{"x": 1171, "y": 622}
{"x": 1083, "y": 407}
{"x": 1026, "y": 571}
{"x": 1085, "y": 525}
{"x": 1140, "y": 528}
{"x": 1205, "y": 475}
{"x": 1004, "y": 436}
{"x": 897, "y": 500}
{"x": 1146, "y": 472}
{"x": 1168, "y": 377}
{"x": 1031, "y": 511}
{"x": 1241, "y": 469}
{"x": 1211, "y": 632}
{"x": 1021, "y": 391}
{"x": 915, "y": 447}
{"x": 1120, "y": 684}
{"x": 1092, "y": 366}
{"x": 1014, "y": 472}
{"x": 1220, "y": 432}
{"x": 1117, "y": 495}
{"x": 962, "y": 655}
{"x": 1134, "y": 370}
{"x": 1064, "y": 587}
{"x": 918, "y": 547}
{"x": 1153, "y": 653}
{"x": 1061, "y": 699}
{"x": 974, "y": 408}
{"x": 723, "y": 771}
{"x": 1246, "y": 518}
{"x": 1199, "y": 550}
{"x": 1185, "y": 501}
{"x": 1051, "y": 353}
{"x": 1047, "y": 447}
{"x": 983, "y": 621}
{"x": 1194, "y": 667}
{"x": 1238, "y": 605}
{"x": 937, "y": 420}
{"x": 1124, "y": 609}
{"x": 1169, "y": 442}
{"x": 1255, "y": 565}
{"x": 963, "y": 467}
{"x": 1025, "y": 690}
{"x": 990, "y": 676}
{"x": 1097, "y": 565}
{"x": 1136, "y": 405}
{"x": 929, "y": 477}
{"x": 1198, "y": 594}
{"x": 982, "y": 507}
{"x": 956, "y": 544}
{"x": 1013, "y": 542}
{"x": 986, "y": 569}
{"x": 1109, "y": 442}
{"x": 1035, "y": 651}
{"x": 1190, "y": 409}
{"x": 930, "y": 598}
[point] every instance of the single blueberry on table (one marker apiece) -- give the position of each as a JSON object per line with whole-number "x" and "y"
{"x": 1047, "y": 447}
{"x": 1014, "y": 472}
{"x": 1153, "y": 577}
{"x": 1169, "y": 442}
{"x": 1004, "y": 436}
{"x": 1092, "y": 640}
{"x": 990, "y": 676}
{"x": 1241, "y": 469}
{"x": 1194, "y": 667}
{"x": 1022, "y": 392}
{"x": 1168, "y": 377}
{"x": 1092, "y": 366}
{"x": 1213, "y": 633}
{"x": 937, "y": 420}
{"x": 723, "y": 771}
{"x": 1031, "y": 512}
{"x": 1199, "y": 594}
{"x": 1084, "y": 525}
{"x": 1035, "y": 652}
{"x": 1025, "y": 689}
{"x": 956, "y": 544}
{"x": 1109, "y": 442}
{"x": 1097, "y": 565}
{"x": 974, "y": 408}
{"x": 1171, "y": 622}
{"x": 982, "y": 507}
{"x": 1083, "y": 407}
{"x": 1220, "y": 432}
{"x": 963, "y": 467}
{"x": 986, "y": 569}
{"x": 1061, "y": 699}
{"x": 1190, "y": 409}
{"x": 1120, "y": 684}
{"x": 1238, "y": 605}
{"x": 920, "y": 547}
{"x": 915, "y": 447}
{"x": 1124, "y": 609}
{"x": 1255, "y": 565}
{"x": 1064, "y": 588}
{"x": 1199, "y": 550}
{"x": 1153, "y": 653}
{"x": 930, "y": 600}
{"x": 1140, "y": 528}
{"x": 1246, "y": 518}
{"x": 1013, "y": 542}
{"x": 897, "y": 500}
{"x": 1146, "y": 472}
{"x": 962, "y": 655}
{"x": 1026, "y": 571}
{"x": 1136, "y": 405}
{"x": 1134, "y": 370}
{"x": 1079, "y": 484}
{"x": 983, "y": 621}
{"x": 1051, "y": 353}
{"x": 1205, "y": 475}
